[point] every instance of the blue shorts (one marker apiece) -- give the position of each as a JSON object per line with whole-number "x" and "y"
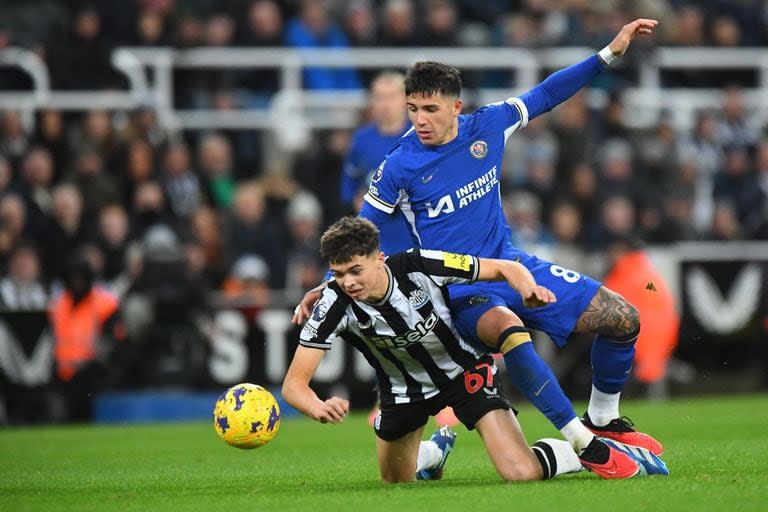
{"x": 573, "y": 290}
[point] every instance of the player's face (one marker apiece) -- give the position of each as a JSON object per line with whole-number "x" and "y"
{"x": 362, "y": 278}
{"x": 435, "y": 117}
{"x": 387, "y": 101}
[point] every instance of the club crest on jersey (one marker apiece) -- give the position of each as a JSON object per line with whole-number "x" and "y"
{"x": 319, "y": 312}
{"x": 479, "y": 149}
{"x": 418, "y": 298}
{"x": 379, "y": 172}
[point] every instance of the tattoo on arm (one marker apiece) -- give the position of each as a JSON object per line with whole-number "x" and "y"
{"x": 609, "y": 314}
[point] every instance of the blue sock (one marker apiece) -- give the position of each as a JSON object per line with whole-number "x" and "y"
{"x": 533, "y": 377}
{"x": 612, "y": 362}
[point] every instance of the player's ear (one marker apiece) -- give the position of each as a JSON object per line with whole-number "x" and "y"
{"x": 458, "y": 106}
{"x": 380, "y": 258}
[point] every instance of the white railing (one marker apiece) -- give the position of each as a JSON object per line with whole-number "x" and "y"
{"x": 327, "y": 109}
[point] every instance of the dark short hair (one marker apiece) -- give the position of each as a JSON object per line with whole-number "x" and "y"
{"x": 347, "y": 238}
{"x": 428, "y": 78}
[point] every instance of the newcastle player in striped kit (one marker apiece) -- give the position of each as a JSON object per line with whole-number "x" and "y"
{"x": 394, "y": 311}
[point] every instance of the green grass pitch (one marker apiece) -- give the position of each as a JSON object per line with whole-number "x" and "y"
{"x": 716, "y": 448}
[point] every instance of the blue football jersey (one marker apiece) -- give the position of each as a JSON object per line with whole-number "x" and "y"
{"x": 450, "y": 194}
{"x": 367, "y": 150}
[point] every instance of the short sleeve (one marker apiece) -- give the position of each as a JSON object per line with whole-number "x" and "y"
{"x": 508, "y": 116}
{"x": 442, "y": 267}
{"x": 326, "y": 323}
{"x": 386, "y": 183}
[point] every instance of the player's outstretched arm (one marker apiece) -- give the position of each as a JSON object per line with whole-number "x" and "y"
{"x": 297, "y": 392}
{"x": 563, "y": 84}
{"x": 519, "y": 278}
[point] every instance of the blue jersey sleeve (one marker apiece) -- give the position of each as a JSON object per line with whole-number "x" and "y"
{"x": 384, "y": 190}
{"x": 560, "y": 86}
{"x": 379, "y": 218}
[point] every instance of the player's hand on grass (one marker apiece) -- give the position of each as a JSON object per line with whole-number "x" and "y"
{"x": 628, "y": 32}
{"x": 304, "y": 309}
{"x": 538, "y": 296}
{"x": 332, "y": 410}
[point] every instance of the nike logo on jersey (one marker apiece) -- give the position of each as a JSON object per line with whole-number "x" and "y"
{"x": 427, "y": 179}
{"x": 538, "y": 391}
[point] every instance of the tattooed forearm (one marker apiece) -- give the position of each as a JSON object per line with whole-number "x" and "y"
{"x": 609, "y": 314}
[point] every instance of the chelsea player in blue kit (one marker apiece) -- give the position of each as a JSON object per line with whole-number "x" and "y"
{"x": 444, "y": 177}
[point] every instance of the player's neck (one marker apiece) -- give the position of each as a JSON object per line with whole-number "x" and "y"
{"x": 381, "y": 289}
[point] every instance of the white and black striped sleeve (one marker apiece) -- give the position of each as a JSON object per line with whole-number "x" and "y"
{"x": 442, "y": 267}
{"x": 327, "y": 322}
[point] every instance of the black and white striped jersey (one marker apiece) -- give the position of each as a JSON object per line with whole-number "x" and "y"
{"x": 408, "y": 337}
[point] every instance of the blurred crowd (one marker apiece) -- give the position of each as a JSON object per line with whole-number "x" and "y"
{"x": 115, "y": 190}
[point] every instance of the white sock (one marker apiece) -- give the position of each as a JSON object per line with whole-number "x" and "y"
{"x": 577, "y": 434}
{"x": 556, "y": 457}
{"x": 430, "y": 455}
{"x": 603, "y": 407}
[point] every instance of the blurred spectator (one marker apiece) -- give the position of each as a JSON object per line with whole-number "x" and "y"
{"x": 304, "y": 216}
{"x": 181, "y": 184}
{"x": 360, "y": 23}
{"x": 725, "y": 32}
{"x": 36, "y": 179}
{"x": 251, "y": 233}
{"x": 6, "y": 175}
{"x": 189, "y": 30}
{"x": 725, "y": 223}
{"x": 13, "y": 217}
{"x": 65, "y": 232}
{"x": 96, "y": 184}
{"x": 398, "y": 24}
{"x": 371, "y": 142}
{"x": 139, "y": 168}
{"x": 704, "y": 145}
{"x": 572, "y": 134}
{"x": 86, "y": 325}
{"x": 523, "y": 212}
{"x": 81, "y": 59}
{"x": 736, "y": 184}
{"x": 441, "y": 26}
{"x": 263, "y": 28}
{"x": 689, "y": 27}
{"x": 617, "y": 221}
{"x": 534, "y": 144}
{"x": 660, "y": 149}
{"x": 149, "y": 208}
{"x": 215, "y": 157}
{"x": 540, "y": 180}
{"x": 96, "y": 134}
{"x": 142, "y": 125}
{"x": 50, "y": 134}
{"x": 736, "y": 129}
{"x": 113, "y": 237}
{"x": 617, "y": 174}
{"x": 22, "y": 287}
{"x": 318, "y": 169}
{"x": 13, "y": 138}
{"x": 581, "y": 187}
{"x": 247, "y": 287}
{"x": 212, "y": 243}
{"x": 313, "y": 28}
{"x": 152, "y": 29}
